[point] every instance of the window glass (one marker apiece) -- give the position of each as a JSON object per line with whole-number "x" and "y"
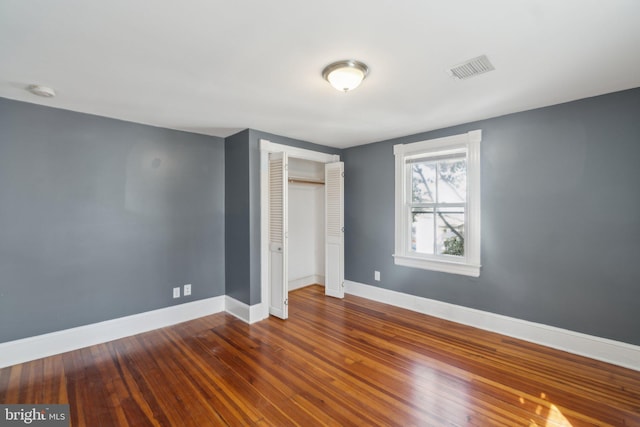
{"x": 423, "y": 182}
{"x": 452, "y": 181}
{"x": 422, "y": 230}
{"x": 450, "y": 231}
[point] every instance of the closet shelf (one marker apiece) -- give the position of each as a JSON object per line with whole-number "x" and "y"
{"x": 306, "y": 181}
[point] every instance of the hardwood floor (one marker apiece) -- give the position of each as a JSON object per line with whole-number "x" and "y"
{"x": 334, "y": 362}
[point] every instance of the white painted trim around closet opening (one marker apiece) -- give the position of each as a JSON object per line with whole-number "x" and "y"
{"x": 26, "y": 349}
{"x": 267, "y": 147}
{"x": 606, "y": 350}
{"x": 299, "y": 153}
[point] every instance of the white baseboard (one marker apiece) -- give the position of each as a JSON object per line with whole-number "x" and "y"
{"x": 603, "y": 349}
{"x": 606, "y": 350}
{"x": 24, "y": 350}
{"x": 244, "y": 312}
{"x": 306, "y": 281}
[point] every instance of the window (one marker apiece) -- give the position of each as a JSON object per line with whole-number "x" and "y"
{"x": 438, "y": 204}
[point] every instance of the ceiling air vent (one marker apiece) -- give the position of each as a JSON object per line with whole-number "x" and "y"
{"x": 471, "y": 68}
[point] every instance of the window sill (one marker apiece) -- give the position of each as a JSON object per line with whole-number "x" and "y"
{"x": 442, "y": 266}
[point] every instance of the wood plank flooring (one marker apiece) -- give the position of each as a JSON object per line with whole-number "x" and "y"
{"x": 350, "y": 362}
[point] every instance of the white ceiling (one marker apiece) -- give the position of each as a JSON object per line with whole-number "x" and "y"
{"x": 216, "y": 67}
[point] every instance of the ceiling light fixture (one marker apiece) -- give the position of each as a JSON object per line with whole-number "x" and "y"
{"x": 44, "y": 91}
{"x": 345, "y": 75}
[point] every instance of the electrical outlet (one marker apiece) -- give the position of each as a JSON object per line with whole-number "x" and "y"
{"x": 376, "y": 276}
{"x": 187, "y": 290}
{"x": 176, "y": 292}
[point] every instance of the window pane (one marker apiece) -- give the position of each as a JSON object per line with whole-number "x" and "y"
{"x": 452, "y": 181}
{"x": 423, "y": 182}
{"x": 422, "y": 230}
{"x": 450, "y": 231}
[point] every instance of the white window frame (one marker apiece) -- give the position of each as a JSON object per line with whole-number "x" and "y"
{"x": 469, "y": 264}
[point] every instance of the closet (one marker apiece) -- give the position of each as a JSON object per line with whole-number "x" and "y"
{"x": 303, "y": 241}
{"x": 306, "y": 223}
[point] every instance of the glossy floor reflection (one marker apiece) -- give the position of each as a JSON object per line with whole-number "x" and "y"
{"x": 334, "y": 362}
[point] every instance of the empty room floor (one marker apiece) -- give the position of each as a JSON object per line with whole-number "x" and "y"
{"x": 333, "y": 362}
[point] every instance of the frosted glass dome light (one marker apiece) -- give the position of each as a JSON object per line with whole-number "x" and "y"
{"x": 345, "y": 75}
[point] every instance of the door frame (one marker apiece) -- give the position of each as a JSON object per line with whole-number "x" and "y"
{"x": 267, "y": 147}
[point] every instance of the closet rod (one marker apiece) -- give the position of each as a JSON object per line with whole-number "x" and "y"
{"x": 305, "y": 181}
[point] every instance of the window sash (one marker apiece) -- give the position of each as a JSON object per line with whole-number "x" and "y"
{"x": 435, "y": 224}
{"x": 434, "y": 157}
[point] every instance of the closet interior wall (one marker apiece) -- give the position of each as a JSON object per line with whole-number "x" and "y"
{"x": 306, "y": 223}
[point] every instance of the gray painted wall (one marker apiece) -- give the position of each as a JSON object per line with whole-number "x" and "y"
{"x": 100, "y": 218}
{"x": 237, "y": 217}
{"x": 560, "y": 218}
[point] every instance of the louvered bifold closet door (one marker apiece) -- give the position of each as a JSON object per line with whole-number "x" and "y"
{"x": 278, "y": 177}
{"x": 334, "y": 229}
